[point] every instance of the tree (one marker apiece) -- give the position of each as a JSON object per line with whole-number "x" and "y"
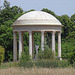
{"x": 68, "y": 46}
{"x": 9, "y": 13}
{"x": 48, "y": 11}
{"x": 29, "y": 10}
{"x": 68, "y": 25}
{"x": 15, "y": 10}
{"x": 7, "y": 16}
{"x": 6, "y": 4}
{"x": 73, "y": 20}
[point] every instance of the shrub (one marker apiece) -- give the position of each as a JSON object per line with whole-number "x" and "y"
{"x": 46, "y": 54}
{"x": 71, "y": 58}
{"x": 52, "y": 63}
{"x": 24, "y": 59}
{"x": 63, "y": 63}
{"x": 1, "y": 54}
{"x": 45, "y": 64}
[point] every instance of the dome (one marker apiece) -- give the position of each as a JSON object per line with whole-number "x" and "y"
{"x": 37, "y": 18}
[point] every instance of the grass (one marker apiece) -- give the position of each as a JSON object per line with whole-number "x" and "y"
{"x": 37, "y": 71}
{"x": 12, "y": 68}
{"x": 8, "y": 65}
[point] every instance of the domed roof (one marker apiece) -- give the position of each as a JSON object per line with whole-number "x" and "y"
{"x": 37, "y": 18}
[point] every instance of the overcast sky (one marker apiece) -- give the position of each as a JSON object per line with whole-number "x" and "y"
{"x": 59, "y": 7}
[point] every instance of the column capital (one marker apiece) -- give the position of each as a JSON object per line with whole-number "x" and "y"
{"x": 14, "y": 31}
{"x": 53, "y": 31}
{"x": 19, "y": 31}
{"x": 59, "y": 31}
{"x": 42, "y": 31}
{"x": 30, "y": 31}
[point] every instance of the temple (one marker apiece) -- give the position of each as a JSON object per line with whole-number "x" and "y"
{"x": 36, "y": 21}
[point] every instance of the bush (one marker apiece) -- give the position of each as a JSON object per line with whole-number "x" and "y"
{"x": 45, "y": 64}
{"x": 1, "y": 54}
{"x": 46, "y": 54}
{"x": 71, "y": 58}
{"x": 52, "y": 63}
{"x": 63, "y": 63}
{"x": 24, "y": 59}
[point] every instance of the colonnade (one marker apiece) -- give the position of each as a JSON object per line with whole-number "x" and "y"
{"x": 31, "y": 43}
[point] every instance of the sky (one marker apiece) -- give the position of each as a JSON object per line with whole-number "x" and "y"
{"x": 59, "y": 7}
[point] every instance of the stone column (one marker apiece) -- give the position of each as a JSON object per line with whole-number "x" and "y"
{"x": 30, "y": 43}
{"x": 20, "y": 43}
{"x": 53, "y": 41}
{"x": 42, "y": 40}
{"x": 59, "y": 44}
{"x": 14, "y": 46}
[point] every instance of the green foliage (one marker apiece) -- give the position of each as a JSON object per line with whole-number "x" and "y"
{"x": 7, "y": 16}
{"x": 6, "y": 40}
{"x": 36, "y": 42}
{"x": 52, "y": 63}
{"x": 2, "y": 51}
{"x": 72, "y": 56}
{"x": 68, "y": 25}
{"x": 73, "y": 18}
{"x": 45, "y": 64}
{"x": 29, "y": 10}
{"x": 48, "y": 11}
{"x": 6, "y": 4}
{"x": 25, "y": 60}
{"x": 71, "y": 36}
{"x": 46, "y": 53}
{"x": 26, "y": 38}
{"x": 24, "y": 57}
{"x": 66, "y": 49}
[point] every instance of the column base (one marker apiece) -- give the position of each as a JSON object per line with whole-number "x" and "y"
{"x": 60, "y": 58}
{"x": 15, "y": 60}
